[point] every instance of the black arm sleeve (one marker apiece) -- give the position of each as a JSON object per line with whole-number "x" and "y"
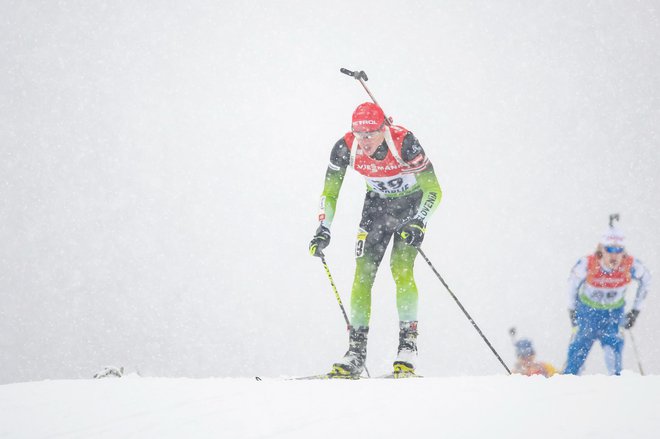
{"x": 340, "y": 155}
{"x": 411, "y": 148}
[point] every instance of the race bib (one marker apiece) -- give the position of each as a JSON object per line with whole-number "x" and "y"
{"x": 603, "y": 297}
{"x": 359, "y": 244}
{"x": 392, "y": 185}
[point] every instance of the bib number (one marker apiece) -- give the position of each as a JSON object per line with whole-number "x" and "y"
{"x": 359, "y": 244}
{"x": 392, "y": 185}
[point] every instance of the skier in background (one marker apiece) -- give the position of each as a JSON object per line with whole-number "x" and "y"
{"x": 526, "y": 363}
{"x": 402, "y": 193}
{"x": 597, "y": 287}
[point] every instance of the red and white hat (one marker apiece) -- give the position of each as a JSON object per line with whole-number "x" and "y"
{"x": 367, "y": 117}
{"x": 613, "y": 237}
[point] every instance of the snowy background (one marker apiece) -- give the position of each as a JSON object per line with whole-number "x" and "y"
{"x": 161, "y": 163}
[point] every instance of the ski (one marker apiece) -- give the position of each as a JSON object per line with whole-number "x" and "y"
{"x": 394, "y": 376}
{"x": 326, "y": 376}
{"x": 329, "y": 376}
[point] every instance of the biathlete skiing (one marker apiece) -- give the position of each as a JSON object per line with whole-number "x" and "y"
{"x": 402, "y": 192}
{"x": 596, "y": 291}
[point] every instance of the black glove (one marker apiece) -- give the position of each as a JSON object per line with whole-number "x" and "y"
{"x": 412, "y": 232}
{"x": 320, "y": 241}
{"x": 630, "y": 318}
{"x": 573, "y": 317}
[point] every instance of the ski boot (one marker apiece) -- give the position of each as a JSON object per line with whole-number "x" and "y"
{"x": 352, "y": 364}
{"x": 404, "y": 365}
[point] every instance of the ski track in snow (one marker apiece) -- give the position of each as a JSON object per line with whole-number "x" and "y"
{"x": 461, "y": 407}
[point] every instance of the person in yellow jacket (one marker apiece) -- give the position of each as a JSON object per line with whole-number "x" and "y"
{"x": 526, "y": 363}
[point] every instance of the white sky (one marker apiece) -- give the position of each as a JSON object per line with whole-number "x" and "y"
{"x": 161, "y": 162}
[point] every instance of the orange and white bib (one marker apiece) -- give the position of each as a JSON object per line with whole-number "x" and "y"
{"x": 606, "y": 289}
{"x": 390, "y": 176}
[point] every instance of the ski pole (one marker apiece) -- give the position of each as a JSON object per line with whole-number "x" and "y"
{"x": 341, "y": 305}
{"x": 361, "y": 77}
{"x": 574, "y": 330}
{"x": 334, "y": 289}
{"x": 512, "y": 333}
{"x": 613, "y": 217}
{"x": 460, "y": 305}
{"x": 634, "y": 345}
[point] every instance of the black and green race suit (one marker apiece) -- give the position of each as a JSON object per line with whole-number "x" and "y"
{"x": 383, "y": 214}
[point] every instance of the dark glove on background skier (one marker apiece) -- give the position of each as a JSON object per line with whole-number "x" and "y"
{"x": 573, "y": 317}
{"x": 320, "y": 241}
{"x": 630, "y": 318}
{"x": 412, "y": 232}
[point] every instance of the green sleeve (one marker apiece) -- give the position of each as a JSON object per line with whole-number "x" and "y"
{"x": 432, "y": 193}
{"x": 333, "y": 181}
{"x": 334, "y": 177}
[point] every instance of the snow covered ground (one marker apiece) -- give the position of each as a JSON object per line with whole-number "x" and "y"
{"x": 593, "y": 406}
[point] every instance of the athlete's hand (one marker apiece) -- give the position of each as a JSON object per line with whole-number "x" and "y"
{"x": 319, "y": 241}
{"x": 630, "y": 318}
{"x": 412, "y": 231}
{"x": 573, "y": 317}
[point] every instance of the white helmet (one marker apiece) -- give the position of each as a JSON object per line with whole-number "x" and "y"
{"x": 613, "y": 237}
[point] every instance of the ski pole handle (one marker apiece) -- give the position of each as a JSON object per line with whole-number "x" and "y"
{"x": 613, "y": 217}
{"x": 361, "y": 76}
{"x": 358, "y": 74}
